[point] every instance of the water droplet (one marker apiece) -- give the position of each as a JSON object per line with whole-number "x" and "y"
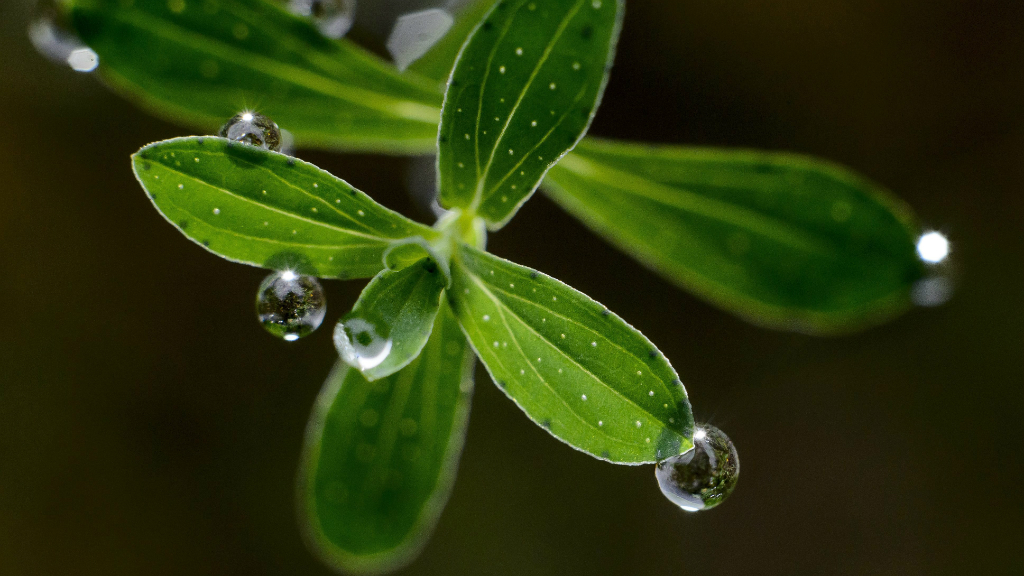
{"x": 332, "y": 17}
{"x": 705, "y": 475}
{"x": 253, "y": 129}
{"x": 290, "y": 306}
{"x": 415, "y": 33}
{"x": 933, "y": 247}
{"x": 52, "y": 36}
{"x": 360, "y": 345}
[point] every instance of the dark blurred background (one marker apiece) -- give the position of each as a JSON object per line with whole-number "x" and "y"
{"x": 149, "y": 426}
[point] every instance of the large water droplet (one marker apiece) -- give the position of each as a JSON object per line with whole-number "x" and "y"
{"x": 50, "y": 33}
{"x": 705, "y": 475}
{"x": 253, "y": 129}
{"x": 332, "y": 17}
{"x": 360, "y": 345}
{"x": 290, "y": 306}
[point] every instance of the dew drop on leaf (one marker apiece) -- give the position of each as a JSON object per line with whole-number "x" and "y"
{"x": 290, "y": 306}
{"x": 359, "y": 343}
{"x": 704, "y": 476}
{"x": 253, "y": 129}
{"x": 332, "y": 17}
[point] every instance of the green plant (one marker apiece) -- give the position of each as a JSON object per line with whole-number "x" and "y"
{"x": 785, "y": 241}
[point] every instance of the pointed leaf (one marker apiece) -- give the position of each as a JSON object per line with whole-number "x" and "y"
{"x": 202, "y": 62}
{"x": 380, "y": 458}
{"x": 391, "y": 322}
{"x": 266, "y": 209}
{"x": 576, "y": 369}
{"x": 522, "y": 93}
{"x": 783, "y": 240}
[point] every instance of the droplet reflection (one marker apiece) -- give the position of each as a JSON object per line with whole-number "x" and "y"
{"x": 359, "y": 344}
{"x": 704, "y": 476}
{"x": 290, "y": 306}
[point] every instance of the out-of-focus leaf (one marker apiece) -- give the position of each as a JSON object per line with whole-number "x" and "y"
{"x": 201, "y": 62}
{"x": 783, "y": 240}
{"x": 380, "y": 457}
{"x": 266, "y": 209}
{"x": 578, "y": 370}
{"x": 523, "y": 92}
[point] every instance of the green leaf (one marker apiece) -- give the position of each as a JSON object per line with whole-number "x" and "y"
{"x": 575, "y": 368}
{"x": 391, "y": 322}
{"x": 202, "y": 61}
{"x": 266, "y": 209}
{"x": 783, "y": 240}
{"x": 380, "y": 458}
{"x": 438, "y": 61}
{"x": 522, "y": 93}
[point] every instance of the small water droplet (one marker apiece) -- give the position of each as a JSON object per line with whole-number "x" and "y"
{"x": 933, "y": 247}
{"x": 253, "y": 129}
{"x": 415, "y": 33}
{"x": 52, "y": 36}
{"x": 584, "y": 397}
{"x": 290, "y": 306}
{"x": 332, "y": 17}
{"x": 519, "y": 51}
{"x": 704, "y": 476}
{"x": 360, "y": 345}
